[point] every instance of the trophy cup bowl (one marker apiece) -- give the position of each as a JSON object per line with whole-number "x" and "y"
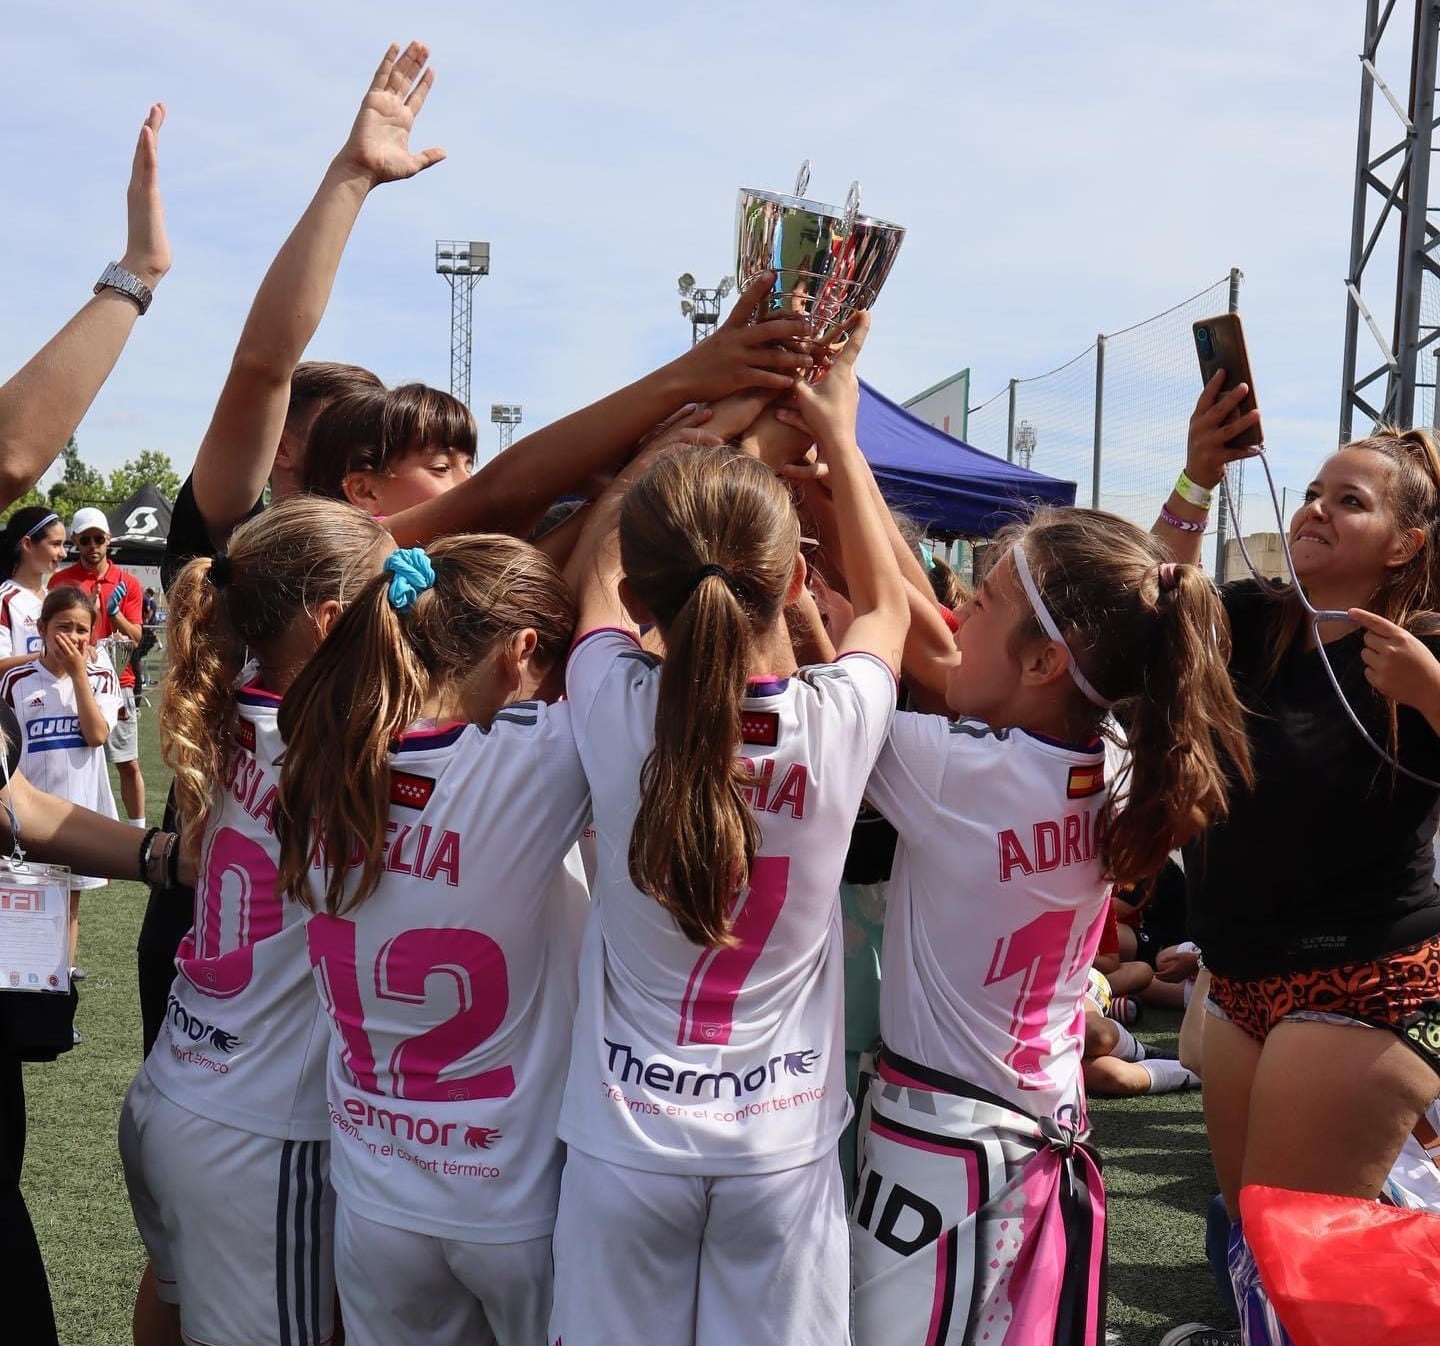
{"x": 119, "y": 648}
{"x": 829, "y": 262}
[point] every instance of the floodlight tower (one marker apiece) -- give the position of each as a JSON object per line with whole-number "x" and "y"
{"x": 702, "y": 307}
{"x": 1393, "y": 178}
{"x": 1025, "y": 442}
{"x": 506, "y": 416}
{"x": 462, "y": 264}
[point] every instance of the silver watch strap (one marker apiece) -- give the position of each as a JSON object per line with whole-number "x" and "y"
{"x": 116, "y": 277}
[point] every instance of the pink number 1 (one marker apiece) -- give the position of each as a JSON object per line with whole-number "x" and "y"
{"x": 707, "y": 1014}
{"x": 475, "y": 966}
{"x": 1035, "y": 953}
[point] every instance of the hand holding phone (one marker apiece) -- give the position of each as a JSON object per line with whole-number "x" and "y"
{"x": 1225, "y": 425}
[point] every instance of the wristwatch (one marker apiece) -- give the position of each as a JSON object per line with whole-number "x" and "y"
{"x": 115, "y": 277}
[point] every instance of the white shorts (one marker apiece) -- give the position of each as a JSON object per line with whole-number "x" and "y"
{"x": 239, "y": 1227}
{"x": 123, "y": 742}
{"x": 671, "y": 1259}
{"x": 399, "y": 1286}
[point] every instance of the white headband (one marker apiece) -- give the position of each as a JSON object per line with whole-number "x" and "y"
{"x": 1047, "y": 623}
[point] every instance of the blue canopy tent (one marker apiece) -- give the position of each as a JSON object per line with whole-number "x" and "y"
{"x": 949, "y": 487}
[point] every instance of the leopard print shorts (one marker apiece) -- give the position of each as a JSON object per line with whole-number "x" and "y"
{"x": 1399, "y": 991}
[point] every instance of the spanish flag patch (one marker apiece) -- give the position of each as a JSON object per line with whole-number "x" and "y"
{"x": 1085, "y": 781}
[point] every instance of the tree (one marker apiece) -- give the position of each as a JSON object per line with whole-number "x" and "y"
{"x": 79, "y": 484}
{"x": 151, "y": 467}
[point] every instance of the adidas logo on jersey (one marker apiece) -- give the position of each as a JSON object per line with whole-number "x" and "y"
{"x": 36, "y": 701}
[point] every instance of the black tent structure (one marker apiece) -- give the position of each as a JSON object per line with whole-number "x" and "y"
{"x": 138, "y": 529}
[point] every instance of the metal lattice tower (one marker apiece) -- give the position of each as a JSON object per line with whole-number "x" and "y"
{"x": 505, "y": 416}
{"x": 702, "y": 307}
{"x": 1394, "y": 178}
{"x": 462, "y": 264}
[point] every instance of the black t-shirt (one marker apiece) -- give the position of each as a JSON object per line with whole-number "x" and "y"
{"x": 189, "y": 537}
{"x": 1329, "y": 859}
{"x": 170, "y": 911}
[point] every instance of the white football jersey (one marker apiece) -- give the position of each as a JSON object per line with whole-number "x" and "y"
{"x": 19, "y": 620}
{"x": 995, "y": 905}
{"x": 451, "y": 988}
{"x": 720, "y": 1061}
{"x": 56, "y": 757}
{"x": 244, "y": 1037}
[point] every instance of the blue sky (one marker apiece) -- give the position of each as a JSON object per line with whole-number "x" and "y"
{"x": 1062, "y": 169}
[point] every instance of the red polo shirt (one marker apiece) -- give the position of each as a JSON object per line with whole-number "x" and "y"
{"x": 100, "y": 587}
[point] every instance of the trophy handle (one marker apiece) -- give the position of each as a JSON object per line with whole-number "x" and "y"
{"x": 802, "y": 179}
{"x": 852, "y": 206}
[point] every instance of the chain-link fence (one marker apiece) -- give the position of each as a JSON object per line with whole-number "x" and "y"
{"x": 1113, "y": 419}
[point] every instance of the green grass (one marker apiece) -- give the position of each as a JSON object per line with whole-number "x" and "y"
{"x": 1157, "y": 1168}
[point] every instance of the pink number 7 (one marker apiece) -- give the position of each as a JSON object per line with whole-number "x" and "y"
{"x": 707, "y": 1014}
{"x": 1035, "y": 953}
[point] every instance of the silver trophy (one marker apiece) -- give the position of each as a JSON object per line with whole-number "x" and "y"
{"x": 829, "y": 263}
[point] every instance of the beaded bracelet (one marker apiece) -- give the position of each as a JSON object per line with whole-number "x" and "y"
{"x": 1192, "y": 493}
{"x": 1167, "y": 515}
{"x": 143, "y": 859}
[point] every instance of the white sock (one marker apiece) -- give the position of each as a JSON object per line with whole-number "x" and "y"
{"x": 1127, "y": 1046}
{"x": 1169, "y": 1077}
{"x": 137, "y": 822}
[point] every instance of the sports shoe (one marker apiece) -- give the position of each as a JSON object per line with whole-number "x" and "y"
{"x": 1124, "y": 1009}
{"x": 77, "y": 974}
{"x": 1197, "y": 1334}
{"x": 77, "y": 1038}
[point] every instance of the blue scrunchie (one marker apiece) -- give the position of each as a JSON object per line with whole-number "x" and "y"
{"x": 410, "y": 574}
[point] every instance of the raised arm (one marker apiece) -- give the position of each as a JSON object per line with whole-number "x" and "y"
{"x": 511, "y": 492}
{"x": 1183, "y": 518}
{"x": 876, "y": 587}
{"x": 44, "y": 402}
{"x": 236, "y": 456}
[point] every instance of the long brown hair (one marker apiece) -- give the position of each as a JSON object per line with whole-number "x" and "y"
{"x": 370, "y": 430}
{"x": 1408, "y": 594}
{"x": 280, "y": 565}
{"x": 368, "y": 682}
{"x": 708, "y": 542}
{"x": 1151, "y": 636}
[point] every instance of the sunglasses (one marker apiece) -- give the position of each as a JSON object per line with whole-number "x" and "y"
{"x": 92, "y": 539}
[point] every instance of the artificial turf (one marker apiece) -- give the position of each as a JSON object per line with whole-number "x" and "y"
{"x": 1157, "y": 1168}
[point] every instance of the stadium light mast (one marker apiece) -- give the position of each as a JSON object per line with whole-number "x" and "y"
{"x": 462, "y": 264}
{"x": 505, "y": 416}
{"x": 1025, "y": 444}
{"x": 1392, "y": 206}
{"x": 702, "y": 307}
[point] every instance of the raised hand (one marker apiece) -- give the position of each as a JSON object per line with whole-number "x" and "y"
{"x": 745, "y": 352}
{"x": 379, "y": 143}
{"x": 147, "y": 250}
{"x": 1213, "y": 425}
{"x": 828, "y": 409}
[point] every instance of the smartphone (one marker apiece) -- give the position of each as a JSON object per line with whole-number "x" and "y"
{"x": 1220, "y": 344}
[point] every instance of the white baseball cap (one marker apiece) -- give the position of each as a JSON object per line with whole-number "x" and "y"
{"x": 88, "y": 518}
